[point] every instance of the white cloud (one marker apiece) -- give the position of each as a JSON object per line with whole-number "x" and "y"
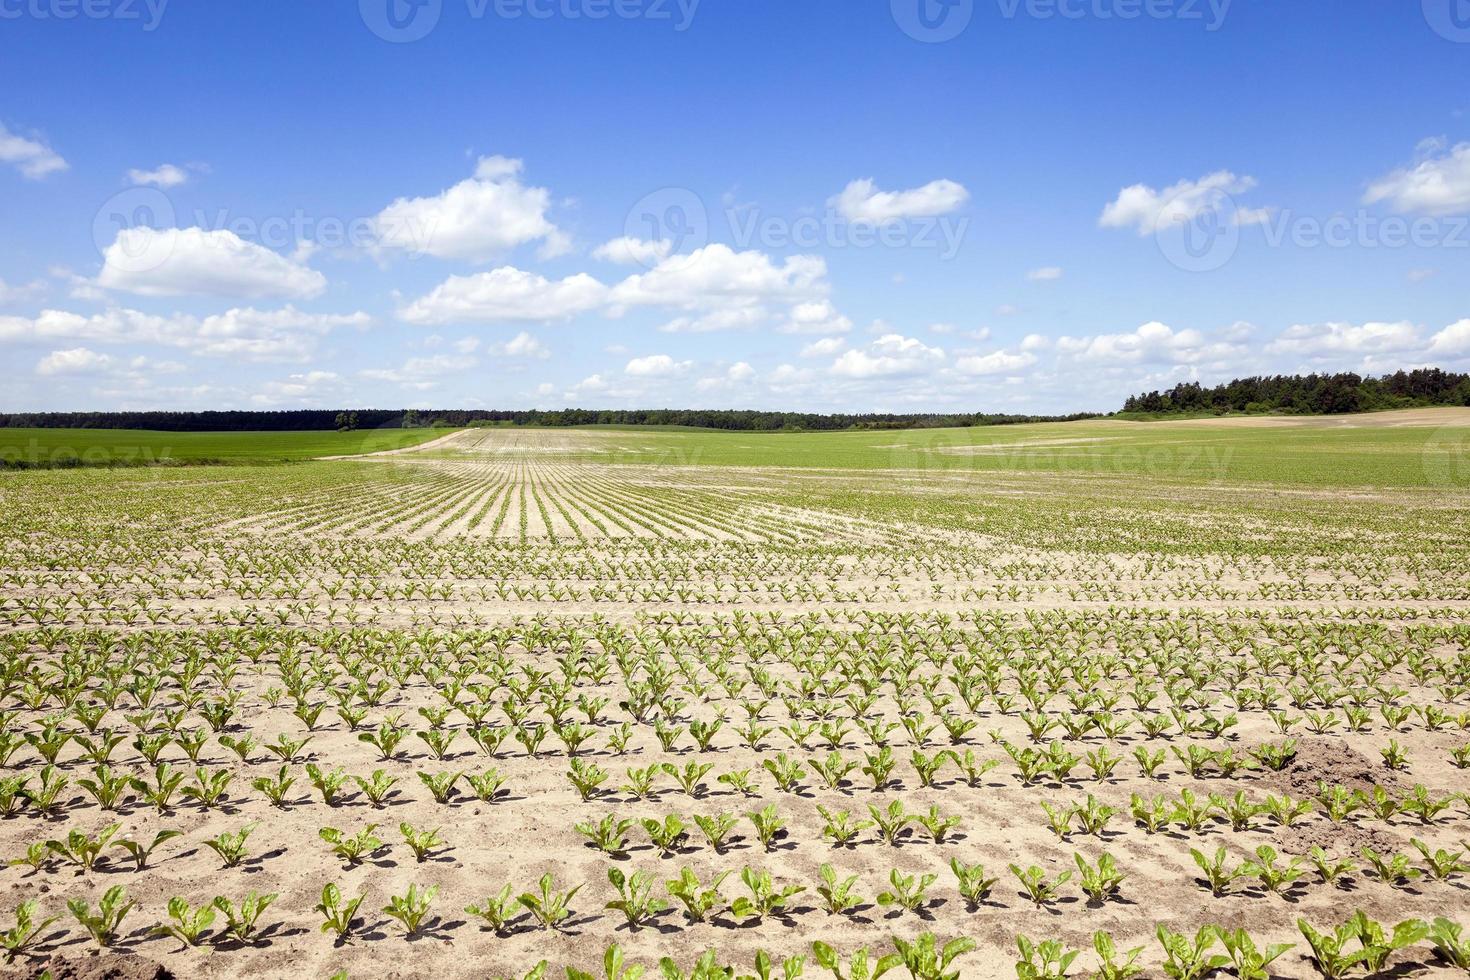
{"x": 165, "y": 176}
{"x": 891, "y": 355}
{"x": 1453, "y": 340}
{"x": 1048, "y": 273}
{"x": 1246, "y": 217}
{"x": 862, "y": 202}
{"x": 246, "y": 333}
{"x": 740, "y": 371}
{"x": 32, "y": 157}
{"x": 818, "y": 317}
{"x": 506, "y": 294}
{"x": 306, "y": 388}
{"x": 717, "y": 276}
{"x": 656, "y": 366}
{"x": 1346, "y": 338}
{"x": 998, "y": 362}
{"x": 192, "y": 261}
{"x": 1149, "y": 210}
{"x": 1035, "y": 341}
{"x": 1438, "y": 185}
{"x": 21, "y": 294}
{"x": 78, "y": 360}
{"x": 1152, "y": 342}
{"x": 786, "y": 376}
{"x": 421, "y": 373}
{"x": 733, "y": 318}
{"x": 633, "y": 251}
{"x": 521, "y": 345}
{"x": 825, "y": 347}
{"x": 476, "y": 220}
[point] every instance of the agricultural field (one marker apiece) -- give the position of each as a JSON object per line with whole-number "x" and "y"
{"x": 1108, "y": 699}
{"x": 134, "y": 447}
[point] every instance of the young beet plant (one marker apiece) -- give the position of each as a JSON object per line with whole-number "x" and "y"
{"x": 411, "y": 909}
{"x": 337, "y": 911}
{"x": 26, "y": 933}
{"x": 104, "y": 923}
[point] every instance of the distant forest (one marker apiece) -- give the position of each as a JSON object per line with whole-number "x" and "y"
{"x": 1311, "y": 394}
{"x": 314, "y": 420}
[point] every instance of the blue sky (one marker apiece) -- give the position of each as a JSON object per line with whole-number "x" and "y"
{"x": 1038, "y": 205}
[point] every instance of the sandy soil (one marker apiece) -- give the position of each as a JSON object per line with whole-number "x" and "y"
{"x": 1430, "y": 417}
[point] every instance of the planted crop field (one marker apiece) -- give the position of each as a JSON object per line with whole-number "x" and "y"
{"x": 1101, "y": 699}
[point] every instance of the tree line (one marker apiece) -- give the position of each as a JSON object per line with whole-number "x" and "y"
{"x": 351, "y": 419}
{"x": 1310, "y": 394}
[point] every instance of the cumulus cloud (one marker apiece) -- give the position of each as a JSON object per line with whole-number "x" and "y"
{"x": 825, "y": 347}
{"x": 23, "y": 293}
{"x": 656, "y": 366}
{"x": 1147, "y": 209}
{"x": 1152, "y": 342}
{"x": 633, "y": 251}
{"x": 77, "y": 360}
{"x": 243, "y": 332}
{"x": 506, "y": 294}
{"x": 521, "y": 345}
{"x": 1453, "y": 340}
{"x": 862, "y": 202}
{"x": 165, "y": 176}
{"x": 34, "y": 158}
{"x": 476, "y": 220}
{"x": 892, "y": 355}
{"x": 734, "y": 318}
{"x": 1346, "y": 338}
{"x": 305, "y": 388}
{"x": 718, "y": 276}
{"x": 421, "y": 373}
{"x": 192, "y": 261}
{"x": 818, "y": 317}
{"x": 1437, "y": 185}
{"x": 997, "y": 362}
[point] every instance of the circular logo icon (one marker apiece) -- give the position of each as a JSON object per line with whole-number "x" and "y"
{"x": 1446, "y": 457}
{"x": 675, "y": 217}
{"x": 1450, "y": 19}
{"x": 1198, "y": 235}
{"x": 933, "y": 21}
{"x": 401, "y": 21}
{"x": 125, "y": 229}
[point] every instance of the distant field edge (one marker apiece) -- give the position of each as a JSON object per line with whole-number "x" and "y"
{"x": 49, "y": 449}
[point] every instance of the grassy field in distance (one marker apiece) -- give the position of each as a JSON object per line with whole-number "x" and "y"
{"x": 104, "y": 447}
{"x": 1424, "y": 447}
